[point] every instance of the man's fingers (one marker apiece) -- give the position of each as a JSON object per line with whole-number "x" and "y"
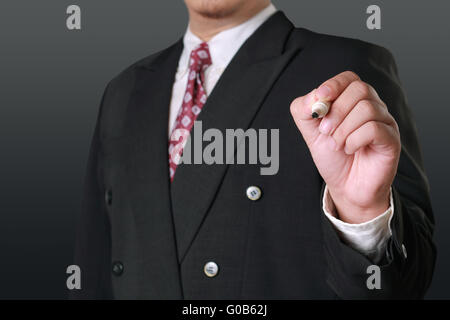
{"x": 363, "y": 112}
{"x": 343, "y": 91}
{"x": 379, "y": 134}
{"x": 342, "y": 106}
{"x": 332, "y": 88}
{"x": 328, "y": 91}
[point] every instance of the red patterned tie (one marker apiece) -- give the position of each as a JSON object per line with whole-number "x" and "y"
{"x": 193, "y": 101}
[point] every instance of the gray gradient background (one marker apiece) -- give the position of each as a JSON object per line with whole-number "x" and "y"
{"x": 52, "y": 79}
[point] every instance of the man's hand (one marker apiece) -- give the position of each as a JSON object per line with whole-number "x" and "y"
{"x": 356, "y": 146}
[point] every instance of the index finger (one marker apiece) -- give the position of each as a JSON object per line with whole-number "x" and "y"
{"x": 332, "y": 88}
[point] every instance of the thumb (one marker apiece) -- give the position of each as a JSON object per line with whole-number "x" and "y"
{"x": 301, "y": 112}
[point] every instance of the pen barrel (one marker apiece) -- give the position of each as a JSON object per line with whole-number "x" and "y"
{"x": 320, "y": 109}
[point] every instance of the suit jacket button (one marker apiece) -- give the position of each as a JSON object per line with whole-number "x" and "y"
{"x": 211, "y": 269}
{"x": 117, "y": 268}
{"x": 254, "y": 193}
{"x": 108, "y": 197}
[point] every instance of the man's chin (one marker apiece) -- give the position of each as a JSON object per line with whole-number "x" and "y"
{"x": 216, "y": 13}
{"x": 217, "y": 9}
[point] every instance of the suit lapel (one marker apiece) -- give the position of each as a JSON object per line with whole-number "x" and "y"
{"x": 148, "y": 178}
{"x": 232, "y": 104}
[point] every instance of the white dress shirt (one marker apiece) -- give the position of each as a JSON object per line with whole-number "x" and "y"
{"x": 370, "y": 237}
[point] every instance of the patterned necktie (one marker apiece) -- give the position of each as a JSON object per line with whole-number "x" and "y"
{"x": 193, "y": 101}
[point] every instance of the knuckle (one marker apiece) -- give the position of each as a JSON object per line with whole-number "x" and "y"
{"x": 391, "y": 121}
{"x": 350, "y": 75}
{"x": 396, "y": 141}
{"x": 373, "y": 127}
{"x": 333, "y": 84}
{"x": 361, "y": 87}
{"x": 383, "y": 105}
{"x": 367, "y": 108}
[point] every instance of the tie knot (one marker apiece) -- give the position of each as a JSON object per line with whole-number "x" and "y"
{"x": 200, "y": 57}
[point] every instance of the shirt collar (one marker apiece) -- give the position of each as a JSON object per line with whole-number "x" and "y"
{"x": 224, "y": 45}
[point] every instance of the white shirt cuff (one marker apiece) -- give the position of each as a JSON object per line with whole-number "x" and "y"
{"x": 370, "y": 237}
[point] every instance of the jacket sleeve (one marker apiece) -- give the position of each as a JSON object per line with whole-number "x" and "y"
{"x": 407, "y": 266}
{"x": 93, "y": 244}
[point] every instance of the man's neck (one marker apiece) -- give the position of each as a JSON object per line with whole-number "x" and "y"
{"x": 206, "y": 27}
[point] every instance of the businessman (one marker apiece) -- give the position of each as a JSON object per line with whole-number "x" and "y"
{"x": 350, "y": 193}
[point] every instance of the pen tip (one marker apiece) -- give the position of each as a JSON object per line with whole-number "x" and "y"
{"x": 315, "y": 115}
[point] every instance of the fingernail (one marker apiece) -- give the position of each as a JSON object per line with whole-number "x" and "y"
{"x": 346, "y": 150}
{"x": 323, "y": 92}
{"x": 325, "y": 126}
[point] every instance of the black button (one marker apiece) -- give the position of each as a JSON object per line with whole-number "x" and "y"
{"x": 117, "y": 268}
{"x": 108, "y": 197}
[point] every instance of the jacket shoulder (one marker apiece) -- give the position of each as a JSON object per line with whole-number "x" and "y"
{"x": 342, "y": 48}
{"x": 117, "y": 93}
{"x": 126, "y": 76}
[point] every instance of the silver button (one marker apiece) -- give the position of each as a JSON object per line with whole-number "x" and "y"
{"x": 405, "y": 254}
{"x": 211, "y": 269}
{"x": 254, "y": 193}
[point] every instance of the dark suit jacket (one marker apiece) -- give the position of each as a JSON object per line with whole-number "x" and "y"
{"x": 142, "y": 237}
